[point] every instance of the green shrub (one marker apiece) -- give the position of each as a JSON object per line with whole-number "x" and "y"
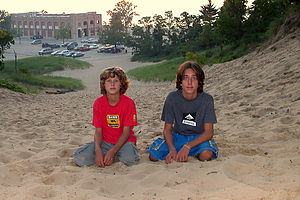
{"x": 12, "y": 86}
{"x": 198, "y": 58}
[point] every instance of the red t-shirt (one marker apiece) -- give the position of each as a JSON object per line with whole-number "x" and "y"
{"x": 112, "y": 119}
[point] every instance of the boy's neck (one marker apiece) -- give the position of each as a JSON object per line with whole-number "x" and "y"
{"x": 113, "y": 99}
{"x": 189, "y": 96}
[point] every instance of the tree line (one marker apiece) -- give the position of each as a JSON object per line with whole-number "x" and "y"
{"x": 164, "y": 36}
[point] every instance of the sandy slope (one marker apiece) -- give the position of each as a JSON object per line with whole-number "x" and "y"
{"x": 257, "y": 100}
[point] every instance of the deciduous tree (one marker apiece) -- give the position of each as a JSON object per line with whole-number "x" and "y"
{"x": 231, "y": 19}
{"x": 64, "y": 32}
{"x": 6, "y": 39}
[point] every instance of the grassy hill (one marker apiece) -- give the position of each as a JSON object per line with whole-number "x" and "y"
{"x": 30, "y": 74}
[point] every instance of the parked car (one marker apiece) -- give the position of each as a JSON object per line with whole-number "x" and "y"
{"x": 63, "y": 52}
{"x": 84, "y": 41}
{"x": 77, "y": 54}
{"x": 120, "y": 46}
{"x": 94, "y": 46}
{"x": 92, "y": 40}
{"x": 115, "y": 50}
{"x": 65, "y": 44}
{"x": 109, "y": 49}
{"x": 82, "y": 48}
{"x": 53, "y": 46}
{"x": 76, "y": 48}
{"x": 72, "y": 45}
{"x": 69, "y": 54}
{"x": 36, "y": 37}
{"x": 36, "y": 42}
{"x": 45, "y": 51}
{"x": 55, "y": 53}
{"x": 104, "y": 49}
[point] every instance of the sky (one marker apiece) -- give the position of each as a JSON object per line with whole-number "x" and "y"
{"x": 144, "y": 7}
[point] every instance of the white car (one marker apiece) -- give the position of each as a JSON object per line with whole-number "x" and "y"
{"x": 45, "y": 51}
{"x": 63, "y": 52}
{"x": 84, "y": 41}
{"x": 92, "y": 40}
{"x": 94, "y": 46}
{"x": 55, "y": 53}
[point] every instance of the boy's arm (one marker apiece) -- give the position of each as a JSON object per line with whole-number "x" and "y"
{"x": 109, "y": 157}
{"x": 123, "y": 138}
{"x": 98, "y": 142}
{"x": 205, "y": 136}
{"x": 183, "y": 154}
{"x": 169, "y": 140}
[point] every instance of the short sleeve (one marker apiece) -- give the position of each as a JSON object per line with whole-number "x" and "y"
{"x": 130, "y": 117}
{"x": 97, "y": 115}
{"x": 168, "y": 115}
{"x": 210, "y": 115}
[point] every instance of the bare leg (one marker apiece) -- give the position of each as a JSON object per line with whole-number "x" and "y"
{"x": 205, "y": 155}
{"x": 152, "y": 158}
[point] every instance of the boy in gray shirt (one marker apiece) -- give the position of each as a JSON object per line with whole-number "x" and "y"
{"x": 189, "y": 116}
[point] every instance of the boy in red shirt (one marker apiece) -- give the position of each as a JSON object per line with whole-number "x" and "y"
{"x": 114, "y": 115}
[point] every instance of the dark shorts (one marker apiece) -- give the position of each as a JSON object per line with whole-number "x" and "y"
{"x": 159, "y": 148}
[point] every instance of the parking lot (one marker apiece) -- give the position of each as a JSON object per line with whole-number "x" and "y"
{"x": 23, "y": 48}
{"x": 90, "y": 76}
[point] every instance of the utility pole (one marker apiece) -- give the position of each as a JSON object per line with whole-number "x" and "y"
{"x": 16, "y": 68}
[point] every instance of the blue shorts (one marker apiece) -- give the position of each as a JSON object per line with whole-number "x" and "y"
{"x": 159, "y": 148}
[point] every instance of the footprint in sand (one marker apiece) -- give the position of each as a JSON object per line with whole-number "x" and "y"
{"x": 29, "y": 136}
{"x": 286, "y": 120}
{"x": 90, "y": 184}
{"x": 10, "y": 177}
{"x": 4, "y": 159}
{"x": 60, "y": 178}
{"x": 63, "y": 153}
{"x": 43, "y": 192}
{"x": 24, "y": 154}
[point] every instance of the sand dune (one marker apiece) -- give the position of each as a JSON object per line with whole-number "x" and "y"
{"x": 257, "y": 100}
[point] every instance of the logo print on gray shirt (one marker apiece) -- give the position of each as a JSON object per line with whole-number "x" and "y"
{"x": 189, "y": 119}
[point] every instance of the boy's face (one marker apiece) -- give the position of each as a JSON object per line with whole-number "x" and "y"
{"x": 189, "y": 83}
{"x": 112, "y": 85}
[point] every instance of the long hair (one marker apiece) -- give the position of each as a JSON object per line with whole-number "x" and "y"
{"x": 111, "y": 72}
{"x": 197, "y": 69}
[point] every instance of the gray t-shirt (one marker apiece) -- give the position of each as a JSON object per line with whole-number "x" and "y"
{"x": 188, "y": 116}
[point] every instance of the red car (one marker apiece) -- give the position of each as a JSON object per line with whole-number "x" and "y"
{"x": 82, "y": 49}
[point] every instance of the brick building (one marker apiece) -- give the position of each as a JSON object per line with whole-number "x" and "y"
{"x": 34, "y": 23}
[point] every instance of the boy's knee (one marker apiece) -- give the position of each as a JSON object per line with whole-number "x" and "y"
{"x": 151, "y": 158}
{"x": 205, "y": 155}
{"x": 130, "y": 160}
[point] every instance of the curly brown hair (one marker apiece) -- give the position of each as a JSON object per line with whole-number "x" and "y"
{"x": 197, "y": 69}
{"x": 111, "y": 72}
